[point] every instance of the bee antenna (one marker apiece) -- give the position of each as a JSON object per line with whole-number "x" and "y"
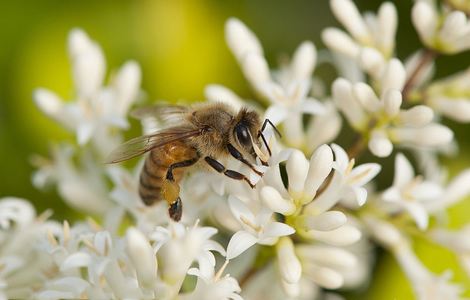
{"x": 266, "y": 122}
{"x": 260, "y": 134}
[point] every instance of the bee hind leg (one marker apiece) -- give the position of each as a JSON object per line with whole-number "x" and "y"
{"x": 175, "y": 210}
{"x": 171, "y": 189}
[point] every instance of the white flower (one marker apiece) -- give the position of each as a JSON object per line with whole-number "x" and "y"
{"x": 322, "y": 264}
{"x": 142, "y": 257}
{"x": 347, "y": 182}
{"x": 82, "y": 187}
{"x": 371, "y": 42}
{"x": 427, "y": 286}
{"x": 304, "y": 177}
{"x": 256, "y": 228}
{"x": 450, "y": 96}
{"x": 15, "y": 212}
{"x": 287, "y": 91}
{"x": 382, "y": 118}
{"x": 67, "y": 287}
{"x": 96, "y": 108}
{"x": 289, "y": 265}
{"x": 446, "y": 31}
{"x": 219, "y": 93}
{"x": 456, "y": 241}
{"x": 266, "y": 285}
{"x": 323, "y": 128}
{"x": 21, "y": 264}
{"x": 409, "y": 192}
{"x": 214, "y": 286}
{"x": 455, "y": 191}
{"x": 178, "y": 247}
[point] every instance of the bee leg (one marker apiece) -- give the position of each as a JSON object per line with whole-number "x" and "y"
{"x": 171, "y": 189}
{"x": 175, "y": 210}
{"x": 229, "y": 173}
{"x": 238, "y": 156}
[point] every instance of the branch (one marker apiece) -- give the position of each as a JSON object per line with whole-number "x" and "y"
{"x": 427, "y": 57}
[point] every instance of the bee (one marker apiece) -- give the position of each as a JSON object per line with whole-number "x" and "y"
{"x": 200, "y": 133}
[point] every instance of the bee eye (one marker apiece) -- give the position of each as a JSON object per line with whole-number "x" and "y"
{"x": 243, "y": 135}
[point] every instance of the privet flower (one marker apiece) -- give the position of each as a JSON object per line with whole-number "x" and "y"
{"x": 457, "y": 241}
{"x": 287, "y": 89}
{"x": 177, "y": 248}
{"x": 427, "y": 285}
{"x": 371, "y": 39}
{"x": 379, "y": 117}
{"x": 409, "y": 192}
{"x": 257, "y": 228}
{"x": 96, "y": 109}
{"x": 450, "y": 97}
{"x": 444, "y": 31}
{"x": 82, "y": 186}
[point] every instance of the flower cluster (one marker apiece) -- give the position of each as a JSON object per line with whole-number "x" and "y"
{"x": 306, "y": 228}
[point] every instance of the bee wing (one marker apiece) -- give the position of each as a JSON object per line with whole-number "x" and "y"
{"x": 162, "y": 111}
{"x": 142, "y": 144}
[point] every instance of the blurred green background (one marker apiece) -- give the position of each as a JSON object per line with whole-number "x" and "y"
{"x": 180, "y": 47}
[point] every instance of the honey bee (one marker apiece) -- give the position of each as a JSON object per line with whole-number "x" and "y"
{"x": 200, "y": 133}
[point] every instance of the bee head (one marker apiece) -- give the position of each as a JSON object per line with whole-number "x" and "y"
{"x": 246, "y": 132}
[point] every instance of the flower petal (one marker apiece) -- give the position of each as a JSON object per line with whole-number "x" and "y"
{"x": 326, "y": 221}
{"x": 321, "y": 163}
{"x": 418, "y": 213}
{"x": 220, "y": 93}
{"x": 76, "y": 260}
{"x": 313, "y": 107}
{"x": 289, "y": 264}
{"x": 341, "y": 158}
{"x": 239, "y": 209}
{"x": 276, "y": 114}
{"x": 362, "y": 174}
{"x": 239, "y": 243}
{"x": 276, "y": 229}
{"x": 404, "y": 173}
{"x": 272, "y": 199}
{"x": 297, "y": 169}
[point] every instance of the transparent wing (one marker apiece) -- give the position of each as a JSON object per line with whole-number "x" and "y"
{"x": 161, "y": 111}
{"x": 142, "y": 144}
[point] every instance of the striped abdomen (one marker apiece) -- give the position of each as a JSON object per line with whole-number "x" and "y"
{"x": 156, "y": 166}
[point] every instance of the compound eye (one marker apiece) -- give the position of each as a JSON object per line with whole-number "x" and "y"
{"x": 243, "y": 135}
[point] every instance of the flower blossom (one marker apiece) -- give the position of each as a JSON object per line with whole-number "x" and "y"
{"x": 82, "y": 186}
{"x": 450, "y": 97}
{"x": 380, "y": 117}
{"x": 409, "y": 192}
{"x": 177, "y": 247}
{"x": 444, "y": 31}
{"x": 287, "y": 89}
{"x": 256, "y": 228}
{"x": 427, "y": 285}
{"x": 371, "y": 39}
{"x": 311, "y": 216}
{"x": 456, "y": 241}
{"x": 96, "y": 109}
{"x": 214, "y": 286}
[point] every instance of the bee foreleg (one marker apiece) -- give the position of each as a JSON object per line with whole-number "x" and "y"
{"x": 171, "y": 189}
{"x": 229, "y": 173}
{"x": 238, "y": 156}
